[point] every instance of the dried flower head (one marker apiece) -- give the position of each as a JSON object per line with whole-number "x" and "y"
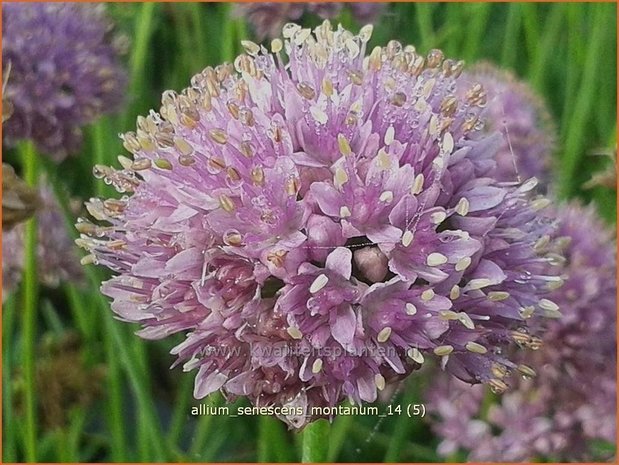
{"x": 572, "y": 399}
{"x": 514, "y": 110}
{"x": 56, "y": 255}
{"x": 64, "y": 72}
{"x": 315, "y": 219}
{"x": 19, "y": 200}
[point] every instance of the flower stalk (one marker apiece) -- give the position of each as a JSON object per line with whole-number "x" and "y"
{"x": 315, "y": 442}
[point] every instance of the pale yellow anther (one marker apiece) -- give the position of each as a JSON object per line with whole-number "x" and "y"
{"x": 384, "y": 334}
{"x": 540, "y": 204}
{"x": 218, "y": 135}
{"x": 427, "y": 295}
{"x": 448, "y": 143}
{"x": 384, "y": 162}
{"x": 379, "y": 380}
{"x": 463, "y": 264}
{"x": 317, "y": 366}
{"x": 441, "y": 351}
{"x": 250, "y": 47}
{"x": 407, "y": 238}
{"x": 527, "y": 312}
{"x": 436, "y": 259}
{"x": 163, "y": 164}
{"x": 340, "y": 178}
{"x": 466, "y": 320}
{"x": 411, "y": 309}
{"x": 327, "y": 87}
{"x": 418, "y": 184}
{"x": 463, "y": 206}
{"x": 386, "y": 197}
{"x": 343, "y": 144}
{"x": 257, "y": 175}
{"x": 475, "y": 348}
{"x": 226, "y": 203}
{"x": 478, "y": 283}
{"x": 498, "y": 296}
{"x": 294, "y": 332}
{"x": 448, "y": 315}
{"x": 88, "y": 259}
{"x": 414, "y": 354}
{"x": 526, "y": 371}
{"x": 454, "y": 293}
{"x": 438, "y": 217}
{"x": 546, "y": 304}
{"x": 276, "y": 45}
{"x": 319, "y": 283}
{"x": 345, "y": 212}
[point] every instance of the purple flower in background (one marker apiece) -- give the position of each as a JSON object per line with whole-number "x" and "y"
{"x": 57, "y": 259}
{"x": 64, "y": 72}
{"x": 317, "y": 222}
{"x": 572, "y": 398}
{"x": 514, "y": 110}
{"x": 267, "y": 18}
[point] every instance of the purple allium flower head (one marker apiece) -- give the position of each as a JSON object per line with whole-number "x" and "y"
{"x": 315, "y": 220}
{"x": 267, "y": 18}
{"x": 64, "y": 72}
{"x": 514, "y": 110}
{"x": 57, "y": 259}
{"x": 572, "y": 398}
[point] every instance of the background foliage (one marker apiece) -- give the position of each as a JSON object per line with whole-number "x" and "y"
{"x": 130, "y": 406}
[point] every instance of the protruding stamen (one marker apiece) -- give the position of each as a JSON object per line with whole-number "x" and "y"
{"x": 476, "y": 348}
{"x": 463, "y": 206}
{"x": 415, "y": 355}
{"x": 294, "y": 332}
{"x": 463, "y": 263}
{"x": 226, "y": 203}
{"x": 218, "y": 135}
{"x": 343, "y": 145}
{"x": 441, "y": 351}
{"x": 317, "y": 366}
{"x": 407, "y": 238}
{"x": 320, "y": 282}
{"x": 418, "y": 184}
{"x": 436, "y": 259}
{"x": 498, "y": 296}
{"x": 427, "y": 295}
{"x": 384, "y": 334}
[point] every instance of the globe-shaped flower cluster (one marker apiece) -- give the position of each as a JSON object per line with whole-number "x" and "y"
{"x": 521, "y": 116}
{"x": 318, "y": 220}
{"x": 64, "y": 72}
{"x": 572, "y": 399}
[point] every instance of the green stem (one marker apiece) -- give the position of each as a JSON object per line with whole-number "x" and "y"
{"x": 30, "y": 302}
{"x": 315, "y": 442}
{"x": 339, "y": 432}
{"x": 9, "y": 427}
{"x": 114, "y": 376}
{"x": 272, "y": 441}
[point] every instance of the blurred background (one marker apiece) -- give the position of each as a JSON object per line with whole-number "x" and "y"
{"x": 79, "y": 386}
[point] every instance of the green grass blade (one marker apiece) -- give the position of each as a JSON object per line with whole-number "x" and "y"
{"x": 30, "y": 294}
